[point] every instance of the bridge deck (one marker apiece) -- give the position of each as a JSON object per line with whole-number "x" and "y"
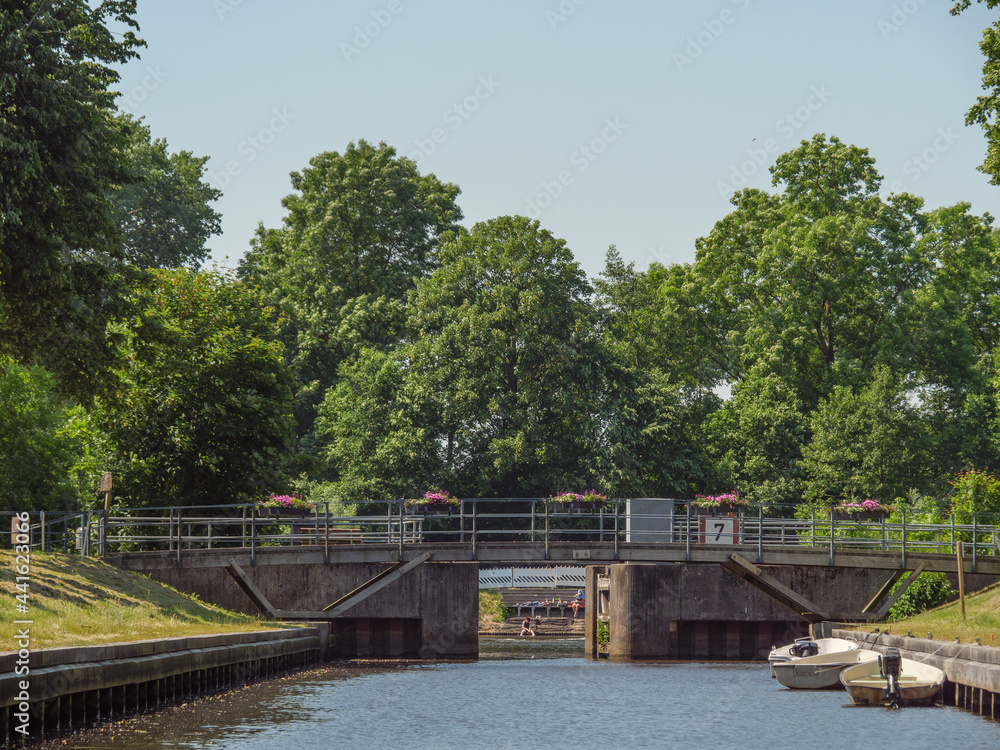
{"x": 592, "y": 553}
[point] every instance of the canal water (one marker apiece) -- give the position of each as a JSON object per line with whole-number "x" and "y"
{"x": 531, "y": 694}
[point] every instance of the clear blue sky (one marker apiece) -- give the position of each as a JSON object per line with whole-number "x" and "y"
{"x": 622, "y": 123}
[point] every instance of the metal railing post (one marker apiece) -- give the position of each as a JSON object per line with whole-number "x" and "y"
{"x": 532, "y": 520}
{"x": 180, "y": 533}
{"x": 813, "y": 543}
{"x": 904, "y": 539}
{"x": 103, "y": 533}
{"x": 253, "y": 534}
{"x": 760, "y": 534}
{"x": 832, "y": 526}
{"x": 44, "y": 530}
{"x": 687, "y": 533}
{"x": 326, "y": 531}
{"x": 400, "y": 502}
{"x": 475, "y": 527}
{"x": 975, "y": 540}
{"x": 617, "y": 514}
{"x": 546, "y": 531}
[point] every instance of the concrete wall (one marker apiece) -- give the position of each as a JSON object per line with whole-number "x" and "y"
{"x": 443, "y": 597}
{"x": 71, "y": 688}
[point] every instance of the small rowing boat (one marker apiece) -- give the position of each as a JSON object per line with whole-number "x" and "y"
{"x": 819, "y": 672}
{"x": 805, "y": 647}
{"x": 894, "y": 681}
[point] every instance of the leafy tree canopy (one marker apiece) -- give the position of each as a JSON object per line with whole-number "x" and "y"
{"x": 202, "y": 412}
{"x": 361, "y": 227}
{"x": 62, "y": 150}
{"x": 164, "y": 211}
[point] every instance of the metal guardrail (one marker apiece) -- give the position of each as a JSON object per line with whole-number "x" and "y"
{"x": 477, "y": 521}
{"x": 535, "y": 578}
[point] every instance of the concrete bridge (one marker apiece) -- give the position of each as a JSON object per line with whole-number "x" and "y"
{"x": 673, "y": 584}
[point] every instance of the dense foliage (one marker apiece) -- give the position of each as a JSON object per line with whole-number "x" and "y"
{"x": 828, "y": 344}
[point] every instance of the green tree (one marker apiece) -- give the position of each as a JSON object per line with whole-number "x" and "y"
{"x": 378, "y": 432}
{"x": 361, "y": 227}
{"x": 815, "y": 284}
{"x": 866, "y": 443}
{"x": 202, "y": 412}
{"x": 164, "y": 211}
{"x": 984, "y": 112}
{"x": 62, "y": 151}
{"x": 45, "y": 443}
{"x": 504, "y": 341}
{"x": 758, "y": 435}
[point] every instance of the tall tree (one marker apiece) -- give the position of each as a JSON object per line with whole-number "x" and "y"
{"x": 62, "y": 152}
{"x": 202, "y": 411}
{"x": 360, "y": 229}
{"x": 164, "y": 211}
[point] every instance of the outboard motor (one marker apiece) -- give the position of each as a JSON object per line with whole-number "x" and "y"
{"x": 804, "y": 648}
{"x": 890, "y": 665}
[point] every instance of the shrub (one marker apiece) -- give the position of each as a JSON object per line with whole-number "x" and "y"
{"x": 928, "y": 591}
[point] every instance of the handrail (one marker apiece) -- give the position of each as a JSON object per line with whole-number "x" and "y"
{"x": 478, "y": 521}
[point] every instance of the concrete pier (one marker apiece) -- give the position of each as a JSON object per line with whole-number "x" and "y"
{"x": 677, "y": 611}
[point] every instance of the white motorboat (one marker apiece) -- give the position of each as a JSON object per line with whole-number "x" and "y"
{"x": 821, "y": 671}
{"x": 804, "y": 647}
{"x": 894, "y": 681}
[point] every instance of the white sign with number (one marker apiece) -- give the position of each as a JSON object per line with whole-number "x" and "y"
{"x": 720, "y": 529}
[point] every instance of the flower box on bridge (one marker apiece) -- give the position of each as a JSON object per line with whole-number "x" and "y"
{"x": 580, "y": 506}
{"x": 283, "y": 512}
{"x": 859, "y": 515}
{"x": 723, "y": 509}
{"x": 430, "y": 509}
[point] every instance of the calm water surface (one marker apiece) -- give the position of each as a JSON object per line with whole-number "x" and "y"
{"x": 538, "y": 694}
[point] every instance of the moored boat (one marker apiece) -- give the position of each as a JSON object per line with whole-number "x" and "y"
{"x": 821, "y": 671}
{"x": 893, "y": 680}
{"x": 806, "y": 647}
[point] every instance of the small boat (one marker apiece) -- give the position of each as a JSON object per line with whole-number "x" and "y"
{"x": 803, "y": 647}
{"x": 819, "y": 672}
{"x": 893, "y": 681}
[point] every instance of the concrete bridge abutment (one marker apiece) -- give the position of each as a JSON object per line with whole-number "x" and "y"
{"x": 432, "y": 612}
{"x": 677, "y": 611}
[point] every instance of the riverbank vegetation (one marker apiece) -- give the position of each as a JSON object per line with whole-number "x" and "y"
{"x": 945, "y": 623}
{"x": 492, "y": 611}
{"x": 75, "y": 601}
{"x": 830, "y": 342}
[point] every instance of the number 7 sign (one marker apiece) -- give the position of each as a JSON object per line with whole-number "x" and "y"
{"x": 719, "y": 529}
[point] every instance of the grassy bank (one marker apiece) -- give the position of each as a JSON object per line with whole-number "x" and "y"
{"x": 982, "y": 620}
{"x": 75, "y": 601}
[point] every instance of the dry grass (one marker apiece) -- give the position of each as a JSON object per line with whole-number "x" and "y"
{"x": 982, "y": 620}
{"x": 75, "y": 601}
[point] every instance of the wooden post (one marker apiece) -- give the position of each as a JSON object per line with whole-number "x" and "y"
{"x": 961, "y": 578}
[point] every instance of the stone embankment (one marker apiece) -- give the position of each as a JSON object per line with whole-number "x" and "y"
{"x": 55, "y": 691}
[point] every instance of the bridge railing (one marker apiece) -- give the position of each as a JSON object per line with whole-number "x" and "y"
{"x": 474, "y": 522}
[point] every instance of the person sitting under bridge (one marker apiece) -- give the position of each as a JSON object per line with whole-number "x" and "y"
{"x": 526, "y": 627}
